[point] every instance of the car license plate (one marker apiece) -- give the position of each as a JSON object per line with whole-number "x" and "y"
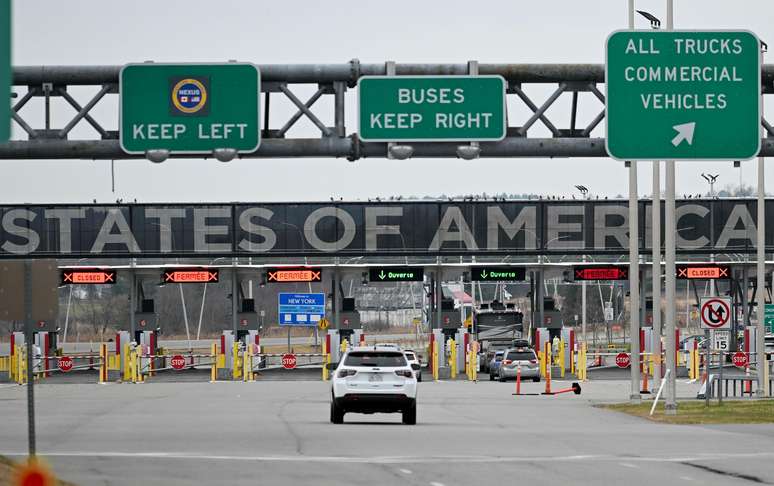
{"x": 375, "y": 377}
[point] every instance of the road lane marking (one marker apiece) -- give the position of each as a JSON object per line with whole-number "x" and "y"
{"x": 405, "y": 471}
{"x": 398, "y": 459}
{"x": 686, "y": 478}
{"x": 626, "y": 464}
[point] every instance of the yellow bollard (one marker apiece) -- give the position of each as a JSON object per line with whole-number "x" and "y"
{"x": 235, "y": 361}
{"x": 573, "y": 357}
{"x": 127, "y": 367}
{"x": 435, "y": 363}
{"x": 325, "y": 360}
{"x": 452, "y": 358}
{"x": 214, "y": 364}
{"x": 542, "y": 364}
{"x": 103, "y": 364}
{"x": 561, "y": 358}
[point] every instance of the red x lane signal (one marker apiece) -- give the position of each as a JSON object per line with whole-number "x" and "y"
{"x": 617, "y": 272}
{"x": 704, "y": 272}
{"x": 301, "y": 274}
{"x": 191, "y": 275}
{"x": 88, "y": 276}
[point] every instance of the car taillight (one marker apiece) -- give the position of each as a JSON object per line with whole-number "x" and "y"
{"x": 532, "y": 361}
{"x": 404, "y": 373}
{"x": 346, "y": 373}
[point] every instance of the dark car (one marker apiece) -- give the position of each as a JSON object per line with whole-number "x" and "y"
{"x": 494, "y": 364}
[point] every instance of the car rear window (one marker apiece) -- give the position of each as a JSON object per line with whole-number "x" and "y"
{"x": 520, "y": 356}
{"x": 375, "y": 358}
{"x": 410, "y": 356}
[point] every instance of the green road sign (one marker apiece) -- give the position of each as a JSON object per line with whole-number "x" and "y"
{"x": 431, "y": 108}
{"x": 395, "y": 274}
{"x": 5, "y": 69}
{"x": 683, "y": 95}
{"x": 768, "y": 317}
{"x": 497, "y": 274}
{"x": 189, "y": 108}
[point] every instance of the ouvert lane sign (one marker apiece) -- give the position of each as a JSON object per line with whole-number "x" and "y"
{"x": 189, "y": 108}
{"x": 680, "y": 95}
{"x": 431, "y": 108}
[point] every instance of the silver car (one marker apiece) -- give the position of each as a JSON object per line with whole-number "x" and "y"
{"x": 516, "y": 358}
{"x": 413, "y": 358}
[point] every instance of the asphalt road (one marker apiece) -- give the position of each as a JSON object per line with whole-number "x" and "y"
{"x": 279, "y": 433}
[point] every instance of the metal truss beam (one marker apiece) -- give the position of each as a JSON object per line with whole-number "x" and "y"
{"x": 333, "y": 80}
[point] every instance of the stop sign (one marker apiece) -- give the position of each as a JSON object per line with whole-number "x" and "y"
{"x": 288, "y": 361}
{"x": 65, "y": 363}
{"x": 622, "y": 360}
{"x": 739, "y": 359}
{"x": 177, "y": 362}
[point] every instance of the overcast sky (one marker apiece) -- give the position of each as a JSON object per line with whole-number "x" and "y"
{"x": 55, "y": 32}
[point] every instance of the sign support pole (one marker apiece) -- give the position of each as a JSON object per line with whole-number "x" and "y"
{"x": 656, "y": 272}
{"x": 760, "y": 348}
{"x": 634, "y": 267}
{"x": 28, "y": 327}
{"x": 707, "y": 337}
{"x": 670, "y": 405}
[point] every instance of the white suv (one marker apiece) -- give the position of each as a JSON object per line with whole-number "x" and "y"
{"x": 374, "y": 380}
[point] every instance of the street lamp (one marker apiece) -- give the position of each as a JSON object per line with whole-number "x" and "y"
{"x": 583, "y": 190}
{"x": 655, "y": 23}
{"x": 711, "y": 179}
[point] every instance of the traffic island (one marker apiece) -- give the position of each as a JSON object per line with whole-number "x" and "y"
{"x": 729, "y": 412}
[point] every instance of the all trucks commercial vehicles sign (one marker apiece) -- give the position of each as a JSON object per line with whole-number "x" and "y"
{"x": 683, "y": 95}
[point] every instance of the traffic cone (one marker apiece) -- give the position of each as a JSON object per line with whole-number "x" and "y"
{"x": 575, "y": 388}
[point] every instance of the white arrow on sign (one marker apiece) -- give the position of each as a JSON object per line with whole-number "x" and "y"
{"x": 684, "y": 132}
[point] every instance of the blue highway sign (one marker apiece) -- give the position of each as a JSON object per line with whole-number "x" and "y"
{"x": 300, "y": 309}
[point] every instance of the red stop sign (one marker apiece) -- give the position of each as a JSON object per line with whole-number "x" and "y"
{"x": 739, "y": 359}
{"x": 288, "y": 361}
{"x": 177, "y": 362}
{"x": 65, "y": 363}
{"x": 622, "y": 360}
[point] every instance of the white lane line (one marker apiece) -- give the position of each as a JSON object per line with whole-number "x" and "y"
{"x": 686, "y": 478}
{"x": 405, "y": 471}
{"x": 434, "y": 483}
{"x": 399, "y": 459}
{"x": 626, "y": 464}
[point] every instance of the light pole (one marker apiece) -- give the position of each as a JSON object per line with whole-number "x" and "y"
{"x": 655, "y": 23}
{"x": 204, "y": 297}
{"x": 760, "y": 348}
{"x": 711, "y": 179}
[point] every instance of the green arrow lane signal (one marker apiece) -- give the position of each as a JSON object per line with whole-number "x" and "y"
{"x": 498, "y": 274}
{"x": 683, "y": 95}
{"x": 395, "y": 274}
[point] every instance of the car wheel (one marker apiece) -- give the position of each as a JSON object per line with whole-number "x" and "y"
{"x": 419, "y": 377}
{"x": 337, "y": 414}
{"x": 536, "y": 380}
{"x": 491, "y": 377}
{"x": 502, "y": 379}
{"x": 410, "y": 415}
